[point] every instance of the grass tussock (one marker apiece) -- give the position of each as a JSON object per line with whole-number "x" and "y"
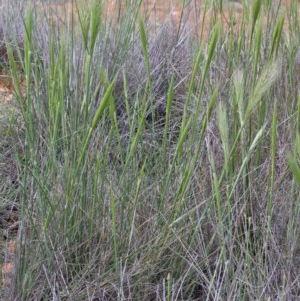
{"x": 149, "y": 164}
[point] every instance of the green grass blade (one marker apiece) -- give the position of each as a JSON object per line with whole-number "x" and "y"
{"x": 277, "y": 33}
{"x": 99, "y": 112}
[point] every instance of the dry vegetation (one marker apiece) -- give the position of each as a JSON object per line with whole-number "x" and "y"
{"x": 144, "y": 160}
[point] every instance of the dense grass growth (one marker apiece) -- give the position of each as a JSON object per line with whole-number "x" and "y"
{"x": 153, "y": 165}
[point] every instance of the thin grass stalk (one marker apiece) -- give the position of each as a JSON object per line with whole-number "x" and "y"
{"x": 276, "y": 38}
{"x": 192, "y": 82}
{"x": 127, "y": 105}
{"x": 15, "y": 78}
{"x": 90, "y": 30}
{"x": 247, "y": 158}
{"x": 268, "y": 10}
{"x": 112, "y": 107}
{"x": 96, "y": 18}
{"x": 202, "y": 26}
{"x": 29, "y": 138}
{"x": 231, "y": 46}
{"x": 27, "y": 65}
{"x": 124, "y": 29}
{"x": 224, "y": 133}
{"x": 223, "y": 126}
{"x": 186, "y": 124}
{"x": 99, "y": 112}
{"x": 238, "y": 112}
{"x": 269, "y": 207}
{"x": 210, "y": 54}
{"x": 241, "y": 40}
{"x": 298, "y": 116}
{"x": 257, "y": 47}
{"x": 190, "y": 167}
{"x": 273, "y": 154}
{"x": 148, "y": 88}
{"x": 114, "y": 233}
{"x": 293, "y": 19}
{"x": 263, "y": 108}
{"x": 245, "y": 140}
{"x": 132, "y": 125}
{"x": 80, "y": 174}
{"x": 255, "y": 9}
{"x": 64, "y": 74}
{"x": 90, "y": 33}
{"x": 132, "y": 215}
{"x": 96, "y": 195}
{"x": 52, "y": 100}
{"x": 206, "y": 119}
{"x": 85, "y": 106}
{"x": 211, "y": 292}
{"x": 293, "y": 160}
{"x": 168, "y": 115}
{"x": 217, "y": 197}
{"x": 184, "y": 5}
{"x": 135, "y": 139}
{"x": 84, "y": 26}
{"x": 57, "y": 87}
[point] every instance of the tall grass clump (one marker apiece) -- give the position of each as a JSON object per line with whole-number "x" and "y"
{"x": 152, "y": 165}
